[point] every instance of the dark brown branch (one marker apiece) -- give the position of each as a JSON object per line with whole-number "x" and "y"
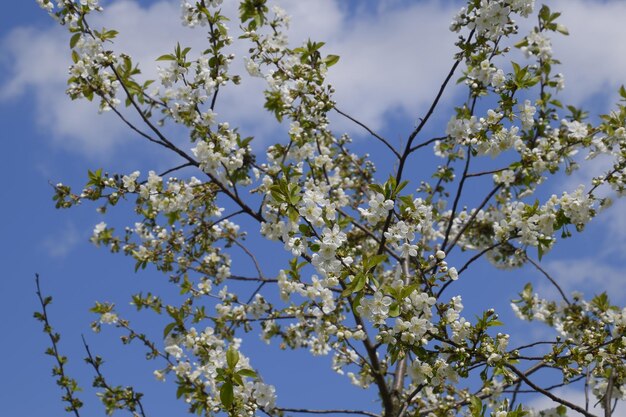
{"x": 552, "y": 280}
{"x": 254, "y": 279}
{"x": 426, "y": 143}
{"x": 471, "y": 219}
{"x": 370, "y": 131}
{"x": 310, "y": 411}
{"x": 482, "y": 395}
{"x": 607, "y": 396}
{"x": 467, "y": 264}
{"x": 176, "y": 168}
{"x": 95, "y": 364}
{"x": 132, "y": 126}
{"x": 370, "y": 233}
{"x": 65, "y": 382}
{"x": 547, "y": 393}
{"x": 550, "y": 388}
{"x": 480, "y": 174}
{"x": 257, "y": 266}
{"x": 530, "y": 345}
{"x": 418, "y": 129}
{"x": 457, "y": 197}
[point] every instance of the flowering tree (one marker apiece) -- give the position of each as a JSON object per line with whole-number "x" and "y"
{"x": 370, "y": 280}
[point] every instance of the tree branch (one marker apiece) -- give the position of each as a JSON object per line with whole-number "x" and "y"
{"x": 370, "y": 131}
{"x": 552, "y": 280}
{"x": 311, "y": 411}
{"x": 547, "y": 393}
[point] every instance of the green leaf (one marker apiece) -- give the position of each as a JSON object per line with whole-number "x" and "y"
{"x": 168, "y": 329}
{"x": 74, "y": 39}
{"x": 400, "y": 187}
{"x": 377, "y": 188}
{"x": 408, "y": 290}
{"x": 237, "y": 380}
{"x": 562, "y": 30}
{"x": 357, "y": 301}
{"x": 476, "y": 407}
{"x": 601, "y": 302}
{"x": 227, "y": 395}
{"x": 394, "y": 310}
{"x": 232, "y": 357}
{"x": 166, "y": 57}
{"x": 305, "y": 230}
{"x": 248, "y": 373}
{"x": 374, "y": 261}
{"x": 361, "y": 280}
{"x": 331, "y": 60}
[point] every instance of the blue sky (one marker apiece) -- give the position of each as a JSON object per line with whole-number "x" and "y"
{"x": 393, "y": 56}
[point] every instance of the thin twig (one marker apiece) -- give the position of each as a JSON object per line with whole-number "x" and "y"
{"x": 457, "y": 197}
{"x": 370, "y": 233}
{"x": 556, "y": 285}
{"x": 257, "y": 266}
{"x": 547, "y": 393}
{"x": 255, "y": 279}
{"x": 370, "y": 131}
{"x": 310, "y": 411}
{"x": 426, "y": 143}
{"x": 480, "y": 174}
{"x": 587, "y": 390}
{"x": 471, "y": 219}
{"x": 535, "y": 344}
{"x": 418, "y": 129}
{"x": 169, "y": 171}
{"x": 64, "y": 381}
{"x": 136, "y": 397}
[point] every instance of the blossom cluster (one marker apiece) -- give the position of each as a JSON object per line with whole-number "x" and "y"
{"x": 371, "y": 260}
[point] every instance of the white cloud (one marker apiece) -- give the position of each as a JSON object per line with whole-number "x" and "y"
{"x": 614, "y": 223}
{"x": 593, "y": 56}
{"x": 393, "y": 61}
{"x": 61, "y": 243}
{"x": 39, "y": 66}
{"x": 576, "y": 397}
{"x": 587, "y": 275}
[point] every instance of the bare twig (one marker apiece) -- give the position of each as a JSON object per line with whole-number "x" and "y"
{"x": 457, "y": 197}
{"x": 471, "y": 219}
{"x": 370, "y": 131}
{"x": 547, "y": 393}
{"x": 480, "y": 174}
{"x": 176, "y": 168}
{"x": 552, "y": 280}
{"x": 426, "y": 143}
{"x": 311, "y": 411}
{"x": 257, "y": 266}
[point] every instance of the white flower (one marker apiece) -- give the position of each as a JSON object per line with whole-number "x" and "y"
{"x": 108, "y": 318}
{"x": 576, "y": 129}
{"x": 333, "y": 237}
{"x": 98, "y": 229}
{"x": 129, "y": 181}
{"x": 527, "y": 113}
{"x": 265, "y": 395}
{"x": 174, "y": 350}
{"x": 453, "y": 274}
